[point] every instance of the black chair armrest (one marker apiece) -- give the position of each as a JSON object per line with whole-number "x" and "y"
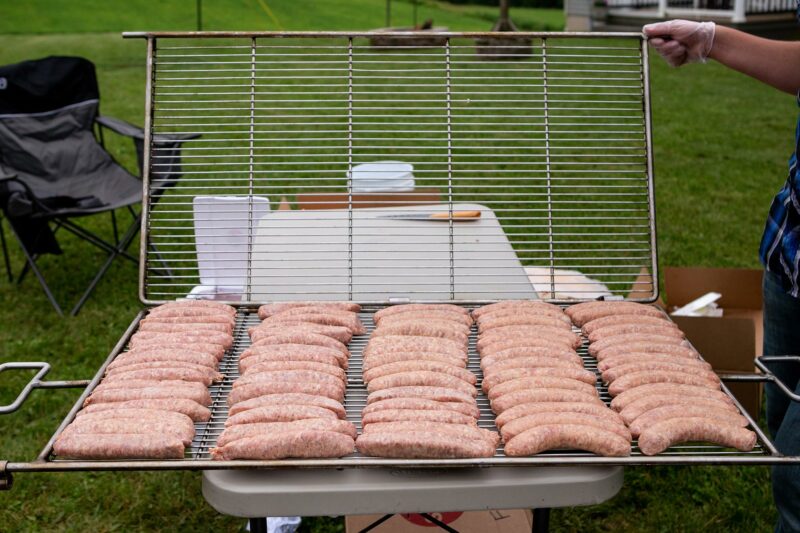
{"x": 120, "y": 126}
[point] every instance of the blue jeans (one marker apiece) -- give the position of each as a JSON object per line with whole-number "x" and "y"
{"x": 782, "y": 337}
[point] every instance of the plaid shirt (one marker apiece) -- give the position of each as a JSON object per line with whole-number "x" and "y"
{"x": 780, "y": 245}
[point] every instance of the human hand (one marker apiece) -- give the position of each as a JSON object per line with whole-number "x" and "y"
{"x": 681, "y": 41}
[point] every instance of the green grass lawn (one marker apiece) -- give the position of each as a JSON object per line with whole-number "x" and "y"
{"x": 721, "y": 143}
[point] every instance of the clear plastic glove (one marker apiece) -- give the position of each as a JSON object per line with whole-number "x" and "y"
{"x": 681, "y": 41}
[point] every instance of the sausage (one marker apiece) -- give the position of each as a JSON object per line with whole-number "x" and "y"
{"x": 612, "y": 331}
{"x": 153, "y": 324}
{"x": 440, "y": 315}
{"x": 190, "y": 408}
{"x": 522, "y": 424}
{"x": 139, "y": 357}
{"x": 189, "y": 312}
{"x": 279, "y": 413}
{"x": 422, "y": 445}
{"x": 527, "y": 409}
{"x": 529, "y": 305}
{"x": 438, "y": 394}
{"x": 246, "y": 431}
{"x": 339, "y": 333}
{"x": 350, "y": 322}
{"x": 658, "y": 437}
{"x": 624, "y": 399}
{"x": 489, "y": 322}
{"x": 401, "y": 343}
{"x": 208, "y": 304}
{"x": 310, "y": 339}
{"x": 627, "y": 338}
{"x": 422, "y": 378}
{"x": 416, "y": 328}
{"x": 640, "y": 406}
{"x": 268, "y": 310}
{"x": 568, "y": 436}
{"x": 380, "y": 359}
{"x": 491, "y": 366}
{"x": 205, "y": 337}
{"x": 304, "y": 444}
{"x": 567, "y": 356}
{"x": 636, "y": 379}
{"x": 412, "y": 415}
{"x": 167, "y": 374}
{"x": 457, "y": 430}
{"x": 142, "y": 383}
{"x": 559, "y": 317}
{"x": 268, "y": 400}
{"x": 647, "y": 347}
{"x": 621, "y": 370}
{"x": 422, "y": 405}
{"x": 406, "y": 318}
{"x": 148, "y": 393}
{"x": 511, "y": 399}
{"x": 394, "y": 309}
{"x": 668, "y": 412}
{"x": 316, "y": 310}
{"x": 645, "y": 358}
{"x": 215, "y": 350}
{"x": 271, "y": 366}
{"x": 196, "y": 319}
{"x": 619, "y": 320}
{"x": 498, "y": 378}
{"x": 137, "y": 426}
{"x": 420, "y": 364}
{"x": 212, "y": 374}
{"x": 526, "y": 341}
{"x": 262, "y": 388}
{"x": 290, "y": 376}
{"x": 119, "y": 446}
{"x": 286, "y": 356}
{"x": 588, "y": 311}
{"x": 547, "y": 332}
{"x": 539, "y": 382}
{"x": 293, "y": 349}
{"x": 174, "y": 419}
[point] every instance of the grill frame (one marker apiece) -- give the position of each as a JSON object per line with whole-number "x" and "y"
{"x": 616, "y": 257}
{"x": 765, "y": 452}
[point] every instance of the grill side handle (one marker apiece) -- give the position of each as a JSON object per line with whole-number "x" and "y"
{"x": 766, "y": 374}
{"x": 36, "y": 382}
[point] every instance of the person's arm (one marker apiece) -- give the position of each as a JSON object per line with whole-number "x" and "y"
{"x": 776, "y": 63}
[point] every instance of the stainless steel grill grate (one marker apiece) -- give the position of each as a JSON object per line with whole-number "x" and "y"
{"x": 552, "y": 146}
{"x": 356, "y": 397}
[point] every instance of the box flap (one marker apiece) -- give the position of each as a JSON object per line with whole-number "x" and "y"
{"x": 740, "y": 287}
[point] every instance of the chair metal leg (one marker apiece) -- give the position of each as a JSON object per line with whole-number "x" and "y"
{"x": 25, "y": 269}
{"x": 30, "y": 262}
{"x": 97, "y": 241}
{"x": 114, "y": 225}
{"x": 119, "y": 250}
{"x": 5, "y": 253}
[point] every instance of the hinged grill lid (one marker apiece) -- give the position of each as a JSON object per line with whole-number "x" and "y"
{"x": 547, "y": 136}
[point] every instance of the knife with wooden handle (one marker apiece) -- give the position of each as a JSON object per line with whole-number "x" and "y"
{"x": 443, "y": 216}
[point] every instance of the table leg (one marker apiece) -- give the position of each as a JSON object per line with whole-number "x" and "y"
{"x": 541, "y": 520}
{"x": 258, "y": 525}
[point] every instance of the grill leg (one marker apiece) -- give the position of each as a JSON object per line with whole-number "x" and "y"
{"x": 541, "y": 520}
{"x": 258, "y": 525}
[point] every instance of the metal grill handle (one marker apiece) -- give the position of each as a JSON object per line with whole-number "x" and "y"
{"x": 35, "y": 383}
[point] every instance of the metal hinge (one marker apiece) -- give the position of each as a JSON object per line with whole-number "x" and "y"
{"x": 6, "y": 478}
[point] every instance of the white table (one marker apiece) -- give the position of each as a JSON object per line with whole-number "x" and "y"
{"x": 308, "y": 255}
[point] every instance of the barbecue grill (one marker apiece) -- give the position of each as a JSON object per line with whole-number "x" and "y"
{"x": 554, "y": 150}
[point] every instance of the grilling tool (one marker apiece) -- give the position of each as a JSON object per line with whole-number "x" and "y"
{"x": 458, "y": 216}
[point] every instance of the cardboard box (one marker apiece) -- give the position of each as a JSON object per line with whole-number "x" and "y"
{"x": 502, "y": 521}
{"x": 730, "y": 342}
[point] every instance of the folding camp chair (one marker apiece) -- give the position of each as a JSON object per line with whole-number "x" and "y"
{"x": 54, "y": 167}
